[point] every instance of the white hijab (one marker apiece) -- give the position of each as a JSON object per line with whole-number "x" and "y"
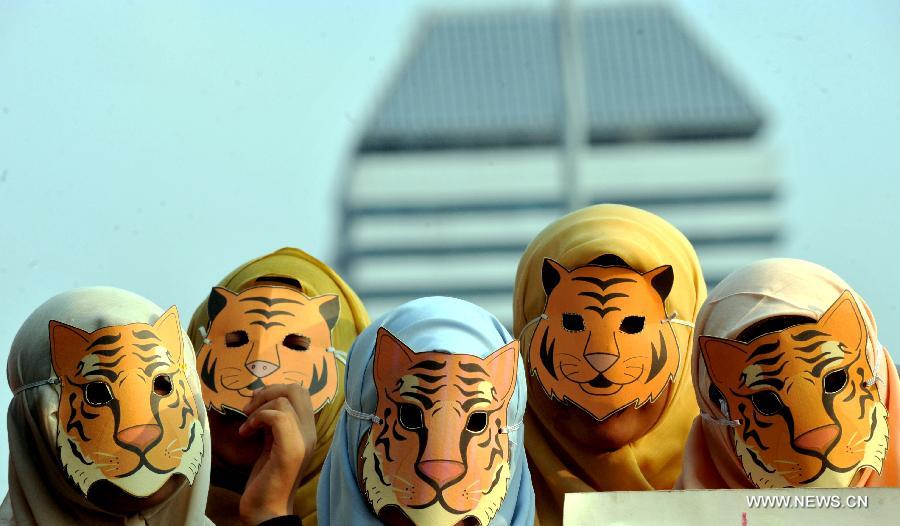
{"x": 39, "y": 491}
{"x": 764, "y": 289}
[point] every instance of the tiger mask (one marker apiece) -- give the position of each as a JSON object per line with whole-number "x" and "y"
{"x": 603, "y": 343}
{"x": 439, "y": 456}
{"x": 127, "y": 413}
{"x": 267, "y": 335}
{"x": 804, "y": 413}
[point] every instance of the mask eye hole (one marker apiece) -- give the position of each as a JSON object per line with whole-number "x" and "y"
{"x": 297, "y": 342}
{"x": 572, "y": 322}
{"x": 477, "y": 422}
{"x": 162, "y": 385}
{"x": 632, "y": 324}
{"x": 411, "y": 417}
{"x": 236, "y": 339}
{"x": 835, "y": 381}
{"x": 98, "y": 393}
{"x": 766, "y": 402}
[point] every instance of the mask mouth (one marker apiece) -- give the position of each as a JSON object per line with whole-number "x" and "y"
{"x": 600, "y": 382}
{"x": 255, "y": 384}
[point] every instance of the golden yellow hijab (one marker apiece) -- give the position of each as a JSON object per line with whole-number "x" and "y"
{"x": 645, "y": 242}
{"x": 316, "y": 278}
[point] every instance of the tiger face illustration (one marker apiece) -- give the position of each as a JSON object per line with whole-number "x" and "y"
{"x": 807, "y": 416}
{"x": 263, "y": 336}
{"x": 126, "y": 410}
{"x": 603, "y": 343}
{"x": 438, "y": 456}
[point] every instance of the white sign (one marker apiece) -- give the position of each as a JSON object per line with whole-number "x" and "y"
{"x": 733, "y": 507}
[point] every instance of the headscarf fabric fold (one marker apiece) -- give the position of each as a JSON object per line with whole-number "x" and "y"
{"x": 316, "y": 279}
{"x": 39, "y": 489}
{"x": 644, "y": 242}
{"x": 436, "y": 323}
{"x": 763, "y": 290}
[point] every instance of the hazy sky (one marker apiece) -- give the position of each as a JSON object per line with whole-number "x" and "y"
{"x": 154, "y": 145}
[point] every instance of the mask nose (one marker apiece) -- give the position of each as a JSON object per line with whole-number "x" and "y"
{"x": 139, "y": 436}
{"x": 817, "y": 439}
{"x": 601, "y": 361}
{"x": 441, "y": 471}
{"x": 261, "y": 368}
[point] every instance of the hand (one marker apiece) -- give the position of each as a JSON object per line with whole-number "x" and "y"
{"x": 284, "y": 413}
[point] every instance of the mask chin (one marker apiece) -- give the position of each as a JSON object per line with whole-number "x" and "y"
{"x": 393, "y": 515}
{"x": 109, "y": 497}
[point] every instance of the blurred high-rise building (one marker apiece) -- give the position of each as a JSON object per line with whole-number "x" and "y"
{"x": 466, "y": 157}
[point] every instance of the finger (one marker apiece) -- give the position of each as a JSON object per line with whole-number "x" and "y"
{"x": 281, "y": 424}
{"x": 295, "y": 393}
{"x": 302, "y": 402}
{"x": 281, "y": 405}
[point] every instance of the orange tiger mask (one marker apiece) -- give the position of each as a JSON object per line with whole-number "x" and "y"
{"x": 263, "y": 336}
{"x": 440, "y": 454}
{"x": 804, "y": 410}
{"x": 603, "y": 342}
{"x": 126, "y": 410}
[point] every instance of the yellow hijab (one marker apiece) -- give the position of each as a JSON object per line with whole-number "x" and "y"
{"x": 316, "y": 278}
{"x": 644, "y": 241}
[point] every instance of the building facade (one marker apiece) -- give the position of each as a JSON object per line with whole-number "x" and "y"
{"x": 465, "y": 159}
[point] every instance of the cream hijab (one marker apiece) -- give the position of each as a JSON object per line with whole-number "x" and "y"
{"x": 39, "y": 491}
{"x": 645, "y": 241}
{"x": 767, "y": 288}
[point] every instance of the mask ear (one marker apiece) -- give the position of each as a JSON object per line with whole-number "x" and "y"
{"x": 67, "y": 345}
{"x": 501, "y": 368}
{"x": 724, "y": 359}
{"x": 330, "y": 308}
{"x": 661, "y": 279}
{"x": 844, "y": 321}
{"x": 392, "y": 359}
{"x": 168, "y": 328}
{"x": 551, "y": 274}
{"x": 218, "y": 299}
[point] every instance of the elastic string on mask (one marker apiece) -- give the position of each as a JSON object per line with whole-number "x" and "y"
{"x": 533, "y": 321}
{"x": 508, "y": 430}
{"x": 721, "y": 421}
{"x": 723, "y": 407}
{"x": 876, "y": 376}
{"x": 375, "y": 419}
{"x": 203, "y": 334}
{"x": 340, "y": 355}
{"x": 673, "y": 318}
{"x": 511, "y": 428}
{"x": 48, "y": 381}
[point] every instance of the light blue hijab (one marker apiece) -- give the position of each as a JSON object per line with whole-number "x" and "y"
{"x": 424, "y": 325}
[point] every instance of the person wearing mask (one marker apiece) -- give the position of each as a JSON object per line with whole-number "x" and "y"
{"x": 107, "y": 424}
{"x": 603, "y": 304}
{"x": 795, "y": 390}
{"x": 283, "y": 318}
